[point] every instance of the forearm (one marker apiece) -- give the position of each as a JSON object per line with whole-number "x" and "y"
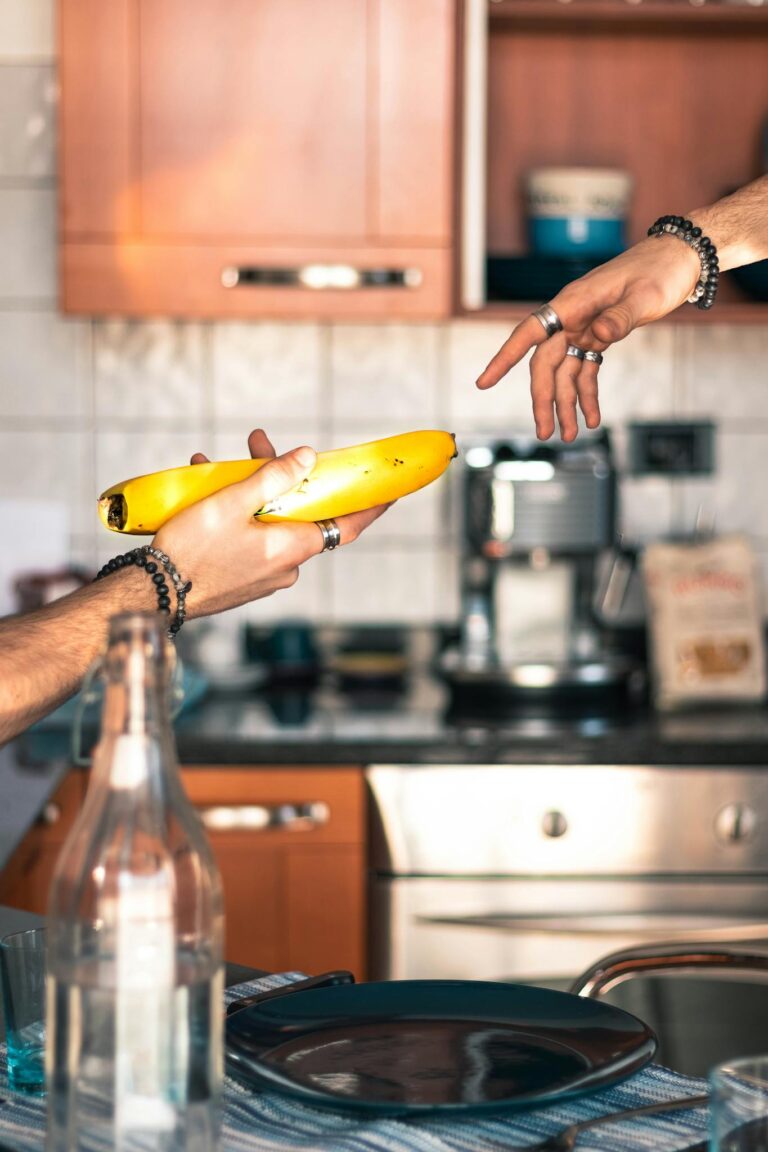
{"x": 738, "y": 225}
{"x": 45, "y": 654}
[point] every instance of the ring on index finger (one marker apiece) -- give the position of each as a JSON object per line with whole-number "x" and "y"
{"x": 549, "y": 319}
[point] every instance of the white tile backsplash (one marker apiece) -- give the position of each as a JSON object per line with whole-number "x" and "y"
{"x": 506, "y": 407}
{"x": 637, "y": 377}
{"x": 723, "y": 373}
{"x": 51, "y": 464}
{"x": 28, "y": 137}
{"x": 384, "y": 585}
{"x": 28, "y": 244}
{"x": 267, "y": 374}
{"x": 45, "y": 367}
{"x": 121, "y": 455}
{"x": 147, "y": 372}
{"x": 26, "y": 30}
{"x": 383, "y": 377}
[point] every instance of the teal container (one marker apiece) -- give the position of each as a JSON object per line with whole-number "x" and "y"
{"x": 577, "y": 212}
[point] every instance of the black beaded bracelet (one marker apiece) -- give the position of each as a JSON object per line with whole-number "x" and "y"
{"x": 140, "y": 557}
{"x": 703, "y": 295}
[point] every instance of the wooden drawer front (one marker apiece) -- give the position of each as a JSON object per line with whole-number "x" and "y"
{"x": 58, "y": 815}
{"x": 277, "y": 804}
{"x": 134, "y": 279}
{"x": 26, "y": 879}
{"x": 294, "y": 892}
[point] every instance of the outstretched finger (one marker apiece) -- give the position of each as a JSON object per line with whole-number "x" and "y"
{"x": 528, "y": 334}
{"x": 260, "y": 446}
{"x": 587, "y": 389}
{"x": 543, "y": 366}
{"x": 566, "y": 395}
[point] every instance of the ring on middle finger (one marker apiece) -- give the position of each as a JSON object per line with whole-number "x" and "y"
{"x": 573, "y": 350}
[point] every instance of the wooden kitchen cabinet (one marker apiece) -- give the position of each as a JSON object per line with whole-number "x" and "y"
{"x": 26, "y": 878}
{"x": 291, "y": 846}
{"x": 217, "y": 158}
{"x": 675, "y": 94}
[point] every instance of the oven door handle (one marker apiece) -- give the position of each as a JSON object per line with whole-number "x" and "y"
{"x": 635, "y": 925}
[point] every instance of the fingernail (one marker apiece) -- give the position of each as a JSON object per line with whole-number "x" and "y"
{"x": 305, "y": 456}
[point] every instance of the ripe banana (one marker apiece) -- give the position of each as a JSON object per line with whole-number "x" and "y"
{"x": 344, "y": 480}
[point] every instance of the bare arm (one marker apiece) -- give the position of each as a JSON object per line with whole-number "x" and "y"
{"x": 229, "y": 557}
{"x": 45, "y": 654}
{"x": 643, "y": 284}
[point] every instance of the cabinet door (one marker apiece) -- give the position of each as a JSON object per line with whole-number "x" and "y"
{"x": 213, "y": 152}
{"x": 290, "y": 844}
{"x": 26, "y": 879}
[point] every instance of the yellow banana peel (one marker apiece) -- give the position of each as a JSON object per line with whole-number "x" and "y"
{"x": 344, "y": 480}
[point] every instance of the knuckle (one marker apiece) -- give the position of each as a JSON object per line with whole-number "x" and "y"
{"x": 613, "y": 324}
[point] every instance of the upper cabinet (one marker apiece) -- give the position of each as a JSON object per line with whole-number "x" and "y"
{"x": 674, "y": 92}
{"x": 246, "y": 158}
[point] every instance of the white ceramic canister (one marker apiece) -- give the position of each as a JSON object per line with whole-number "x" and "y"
{"x": 577, "y": 211}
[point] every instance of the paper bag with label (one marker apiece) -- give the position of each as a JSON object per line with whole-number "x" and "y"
{"x": 705, "y": 621}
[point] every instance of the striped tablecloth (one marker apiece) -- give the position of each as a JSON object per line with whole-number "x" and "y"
{"x": 269, "y": 1122}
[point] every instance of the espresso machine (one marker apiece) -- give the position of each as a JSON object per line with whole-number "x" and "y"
{"x": 537, "y": 517}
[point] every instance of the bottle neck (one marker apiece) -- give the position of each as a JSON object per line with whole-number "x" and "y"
{"x": 136, "y": 730}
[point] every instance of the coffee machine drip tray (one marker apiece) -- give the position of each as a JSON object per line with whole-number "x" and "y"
{"x": 596, "y": 686}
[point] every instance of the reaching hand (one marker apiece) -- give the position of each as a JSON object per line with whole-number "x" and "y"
{"x": 643, "y": 284}
{"x": 230, "y": 557}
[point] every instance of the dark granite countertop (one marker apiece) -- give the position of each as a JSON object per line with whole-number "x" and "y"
{"x": 303, "y": 725}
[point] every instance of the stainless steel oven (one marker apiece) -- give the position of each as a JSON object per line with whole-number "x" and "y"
{"x": 531, "y": 873}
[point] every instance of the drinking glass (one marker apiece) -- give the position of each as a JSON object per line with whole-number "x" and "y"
{"x": 739, "y": 1106}
{"x": 22, "y": 976}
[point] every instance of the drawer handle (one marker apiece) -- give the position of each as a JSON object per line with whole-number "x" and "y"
{"x": 258, "y": 817}
{"x": 319, "y": 277}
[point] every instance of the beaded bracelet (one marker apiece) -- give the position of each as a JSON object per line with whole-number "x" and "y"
{"x": 703, "y": 295}
{"x": 138, "y": 557}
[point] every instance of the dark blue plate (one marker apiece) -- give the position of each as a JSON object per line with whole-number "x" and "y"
{"x": 416, "y": 1047}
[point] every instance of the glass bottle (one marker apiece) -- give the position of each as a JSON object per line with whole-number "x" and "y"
{"x": 134, "y": 1050}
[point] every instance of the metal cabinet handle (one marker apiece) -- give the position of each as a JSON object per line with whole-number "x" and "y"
{"x": 320, "y": 276}
{"x": 50, "y": 815}
{"x": 258, "y": 817}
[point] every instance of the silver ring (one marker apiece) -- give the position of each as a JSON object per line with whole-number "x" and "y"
{"x": 595, "y": 357}
{"x": 573, "y": 350}
{"x": 331, "y": 534}
{"x": 549, "y": 319}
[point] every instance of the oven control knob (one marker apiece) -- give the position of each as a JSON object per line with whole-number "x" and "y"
{"x": 554, "y": 824}
{"x": 735, "y": 823}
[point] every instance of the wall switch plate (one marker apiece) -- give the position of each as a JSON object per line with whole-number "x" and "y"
{"x": 672, "y": 448}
